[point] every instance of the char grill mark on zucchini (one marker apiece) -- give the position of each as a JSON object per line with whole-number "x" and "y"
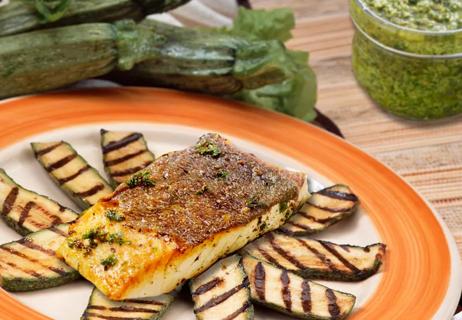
{"x": 322, "y": 210}
{"x": 289, "y": 293}
{"x": 81, "y": 182}
{"x": 19, "y": 254}
{"x": 48, "y": 149}
{"x": 334, "y": 309}
{"x": 286, "y": 295}
{"x": 316, "y": 259}
{"x": 31, "y": 263}
{"x": 222, "y": 292}
{"x": 100, "y": 307}
{"x": 282, "y": 252}
{"x": 259, "y": 280}
{"x": 127, "y": 139}
{"x": 124, "y": 153}
{"x": 10, "y": 200}
{"x": 26, "y": 211}
{"x": 306, "y": 296}
{"x": 203, "y": 288}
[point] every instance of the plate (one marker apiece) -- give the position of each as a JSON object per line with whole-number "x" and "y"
{"x": 421, "y": 278}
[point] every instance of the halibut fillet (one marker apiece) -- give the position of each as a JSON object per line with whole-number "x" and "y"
{"x": 173, "y": 220}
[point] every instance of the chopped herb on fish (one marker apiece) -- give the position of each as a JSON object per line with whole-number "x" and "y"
{"x": 208, "y": 148}
{"x": 114, "y": 215}
{"x": 117, "y": 238}
{"x": 222, "y": 174}
{"x": 142, "y": 179}
{"x": 108, "y": 262}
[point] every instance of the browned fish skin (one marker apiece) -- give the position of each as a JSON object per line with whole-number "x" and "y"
{"x": 199, "y": 193}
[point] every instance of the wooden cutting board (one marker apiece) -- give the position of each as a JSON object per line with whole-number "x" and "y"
{"x": 427, "y": 155}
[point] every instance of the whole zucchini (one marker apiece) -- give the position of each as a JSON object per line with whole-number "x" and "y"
{"x": 177, "y": 57}
{"x": 20, "y": 16}
{"x": 48, "y": 59}
{"x": 206, "y": 61}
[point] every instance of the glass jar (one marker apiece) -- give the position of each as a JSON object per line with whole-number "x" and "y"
{"x": 415, "y": 74}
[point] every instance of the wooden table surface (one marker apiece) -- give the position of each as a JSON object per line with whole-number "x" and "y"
{"x": 427, "y": 155}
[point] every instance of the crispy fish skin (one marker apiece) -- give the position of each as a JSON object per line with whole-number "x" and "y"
{"x": 179, "y": 216}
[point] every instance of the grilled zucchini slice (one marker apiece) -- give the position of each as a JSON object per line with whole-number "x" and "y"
{"x": 289, "y": 293}
{"x": 323, "y": 209}
{"x": 80, "y": 181}
{"x": 124, "y": 153}
{"x": 100, "y": 307}
{"x": 26, "y": 211}
{"x": 222, "y": 292}
{"x": 31, "y": 263}
{"x": 316, "y": 259}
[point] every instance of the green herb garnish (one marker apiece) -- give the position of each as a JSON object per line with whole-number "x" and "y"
{"x": 117, "y": 238}
{"x": 71, "y": 243}
{"x": 74, "y": 243}
{"x": 222, "y": 174}
{"x": 142, "y": 178}
{"x": 283, "y": 206}
{"x": 113, "y": 215}
{"x": 253, "y": 203}
{"x": 208, "y": 148}
{"x": 94, "y": 236}
{"x": 109, "y": 261}
{"x": 262, "y": 226}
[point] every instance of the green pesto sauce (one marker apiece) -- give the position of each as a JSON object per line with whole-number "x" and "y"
{"x": 414, "y": 88}
{"x": 429, "y": 15}
{"x": 407, "y": 72}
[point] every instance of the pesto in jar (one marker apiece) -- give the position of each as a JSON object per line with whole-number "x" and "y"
{"x": 411, "y": 67}
{"x": 409, "y": 87}
{"x": 429, "y": 15}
